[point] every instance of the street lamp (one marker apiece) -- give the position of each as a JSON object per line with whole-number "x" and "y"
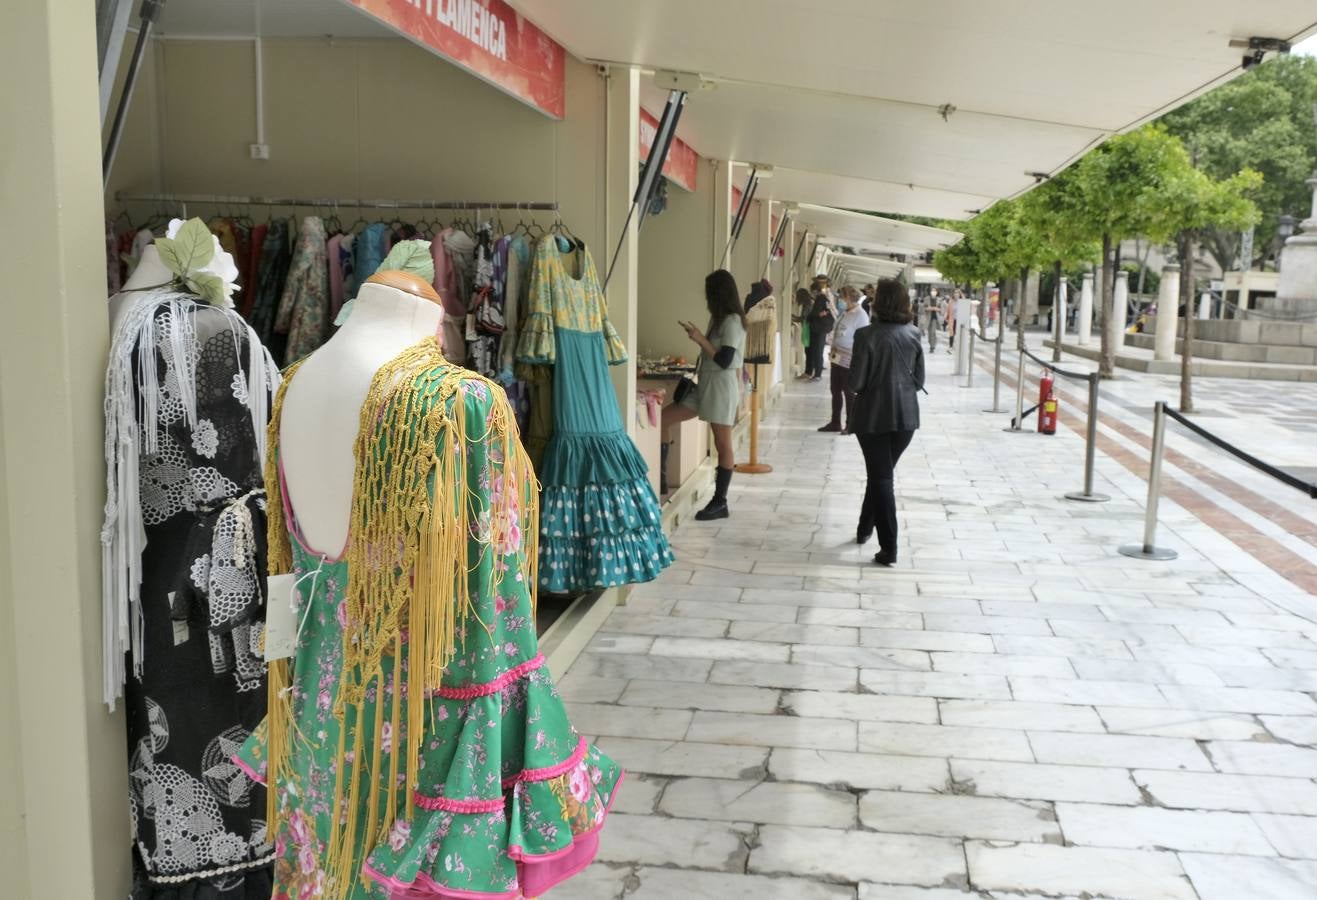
{"x": 1284, "y": 230}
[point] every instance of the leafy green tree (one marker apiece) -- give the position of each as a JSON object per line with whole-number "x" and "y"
{"x": 1262, "y": 120}
{"x": 1065, "y": 240}
{"x": 1120, "y": 191}
{"x": 1199, "y": 204}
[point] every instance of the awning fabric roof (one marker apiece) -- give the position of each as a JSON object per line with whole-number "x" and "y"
{"x": 955, "y": 103}
{"x": 861, "y": 231}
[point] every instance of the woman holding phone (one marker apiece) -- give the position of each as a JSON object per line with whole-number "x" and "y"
{"x": 716, "y": 396}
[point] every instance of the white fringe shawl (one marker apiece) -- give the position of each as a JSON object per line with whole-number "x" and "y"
{"x": 131, "y": 430}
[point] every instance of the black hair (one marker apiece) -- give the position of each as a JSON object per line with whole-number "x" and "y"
{"x": 722, "y": 297}
{"x": 891, "y": 303}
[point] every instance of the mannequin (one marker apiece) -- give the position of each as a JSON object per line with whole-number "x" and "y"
{"x": 322, "y": 409}
{"x": 150, "y": 272}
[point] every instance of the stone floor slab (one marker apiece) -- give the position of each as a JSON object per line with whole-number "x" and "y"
{"x": 857, "y": 856}
{"x": 1150, "y": 828}
{"x": 860, "y": 771}
{"x": 669, "y": 884}
{"x": 953, "y": 815}
{"x": 776, "y": 803}
{"x": 1127, "y": 874}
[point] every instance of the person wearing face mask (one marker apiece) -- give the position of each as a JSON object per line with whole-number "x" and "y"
{"x": 852, "y": 317}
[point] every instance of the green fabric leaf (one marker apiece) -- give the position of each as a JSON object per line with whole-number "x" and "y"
{"x": 412, "y": 257}
{"x": 208, "y": 287}
{"x": 191, "y": 249}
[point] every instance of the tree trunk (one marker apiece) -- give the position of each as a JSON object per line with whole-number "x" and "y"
{"x": 1107, "y": 364}
{"x": 1058, "y": 320}
{"x": 1142, "y": 257}
{"x": 1187, "y": 298}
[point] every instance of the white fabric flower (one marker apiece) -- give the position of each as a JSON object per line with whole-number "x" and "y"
{"x": 221, "y": 265}
{"x": 239, "y": 387}
{"x": 205, "y": 439}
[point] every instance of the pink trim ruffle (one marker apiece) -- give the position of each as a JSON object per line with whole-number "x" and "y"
{"x": 251, "y": 773}
{"x": 550, "y": 771}
{"x": 472, "y": 807}
{"x": 471, "y": 692}
{"x": 536, "y": 875}
{"x": 476, "y": 805}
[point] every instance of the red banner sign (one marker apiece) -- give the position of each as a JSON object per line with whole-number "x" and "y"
{"x": 683, "y": 164}
{"x": 489, "y": 39}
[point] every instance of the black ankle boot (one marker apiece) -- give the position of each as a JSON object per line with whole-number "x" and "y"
{"x": 885, "y": 557}
{"x": 717, "y": 508}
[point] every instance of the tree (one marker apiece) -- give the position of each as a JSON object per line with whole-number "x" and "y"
{"x": 1198, "y": 203}
{"x": 1120, "y": 192}
{"x": 1064, "y": 239}
{"x": 1261, "y": 120}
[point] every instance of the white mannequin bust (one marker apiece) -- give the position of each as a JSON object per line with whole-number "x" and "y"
{"x": 149, "y": 273}
{"x": 322, "y": 406}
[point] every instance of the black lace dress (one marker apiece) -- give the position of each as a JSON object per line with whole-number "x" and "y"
{"x": 198, "y": 688}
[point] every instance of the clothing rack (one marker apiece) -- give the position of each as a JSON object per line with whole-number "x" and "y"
{"x": 333, "y": 203}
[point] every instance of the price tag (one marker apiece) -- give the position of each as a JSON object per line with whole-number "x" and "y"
{"x": 280, "y": 619}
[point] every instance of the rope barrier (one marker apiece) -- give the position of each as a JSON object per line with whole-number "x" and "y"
{"x": 1077, "y": 376}
{"x": 1279, "y": 474}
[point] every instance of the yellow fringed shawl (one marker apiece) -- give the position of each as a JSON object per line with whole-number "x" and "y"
{"x": 412, "y": 547}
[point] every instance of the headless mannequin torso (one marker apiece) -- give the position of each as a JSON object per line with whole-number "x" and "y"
{"x": 150, "y": 272}
{"x": 322, "y": 406}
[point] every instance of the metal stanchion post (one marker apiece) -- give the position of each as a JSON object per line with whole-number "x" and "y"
{"x": 1148, "y": 549}
{"x": 1017, "y": 424}
{"x": 969, "y": 375}
{"x": 996, "y": 376}
{"x": 1090, "y": 448}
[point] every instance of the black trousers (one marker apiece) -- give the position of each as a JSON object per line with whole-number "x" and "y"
{"x": 814, "y": 352}
{"x": 932, "y": 331}
{"x": 882, "y": 451}
{"x": 842, "y": 394}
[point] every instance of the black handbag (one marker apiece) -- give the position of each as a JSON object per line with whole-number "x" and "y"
{"x": 685, "y": 387}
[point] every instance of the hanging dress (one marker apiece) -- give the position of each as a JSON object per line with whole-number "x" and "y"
{"x": 187, "y": 393}
{"x": 455, "y": 773}
{"x": 600, "y": 524}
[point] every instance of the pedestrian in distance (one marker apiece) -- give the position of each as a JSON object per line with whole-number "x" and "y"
{"x": 716, "y": 394}
{"x": 822, "y": 319}
{"x": 932, "y": 308}
{"x": 852, "y": 318}
{"x": 887, "y": 373}
{"x": 804, "y": 304}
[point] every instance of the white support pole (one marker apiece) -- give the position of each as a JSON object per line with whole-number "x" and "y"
{"x": 1062, "y": 304}
{"x": 1205, "y": 305}
{"x": 1119, "y": 310}
{"x": 722, "y": 213}
{"x": 1086, "y": 310}
{"x": 623, "y": 165}
{"x": 1168, "y": 307}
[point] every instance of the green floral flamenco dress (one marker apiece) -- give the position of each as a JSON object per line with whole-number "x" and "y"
{"x": 601, "y": 524}
{"x": 416, "y": 743}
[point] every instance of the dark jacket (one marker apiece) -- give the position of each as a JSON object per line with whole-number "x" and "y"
{"x": 887, "y": 370}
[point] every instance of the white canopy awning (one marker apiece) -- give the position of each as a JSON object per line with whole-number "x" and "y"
{"x": 867, "y": 264}
{"x": 861, "y": 231}
{"x": 958, "y": 103}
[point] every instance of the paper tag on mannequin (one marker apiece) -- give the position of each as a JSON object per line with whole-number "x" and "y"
{"x": 471, "y": 333}
{"x": 280, "y": 620}
{"x": 180, "y": 627}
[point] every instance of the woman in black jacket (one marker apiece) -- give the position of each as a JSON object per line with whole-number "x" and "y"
{"x": 887, "y": 372}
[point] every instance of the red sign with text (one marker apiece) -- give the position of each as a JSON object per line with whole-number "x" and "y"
{"x": 683, "y": 164}
{"x": 487, "y": 38}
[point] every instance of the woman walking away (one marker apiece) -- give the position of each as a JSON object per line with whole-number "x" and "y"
{"x": 822, "y": 318}
{"x": 887, "y": 372}
{"x": 853, "y": 318}
{"x": 717, "y": 393}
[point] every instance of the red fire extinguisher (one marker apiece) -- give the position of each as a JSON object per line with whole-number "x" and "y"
{"x": 1047, "y": 404}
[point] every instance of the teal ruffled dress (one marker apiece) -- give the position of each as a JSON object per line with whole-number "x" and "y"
{"x": 599, "y": 518}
